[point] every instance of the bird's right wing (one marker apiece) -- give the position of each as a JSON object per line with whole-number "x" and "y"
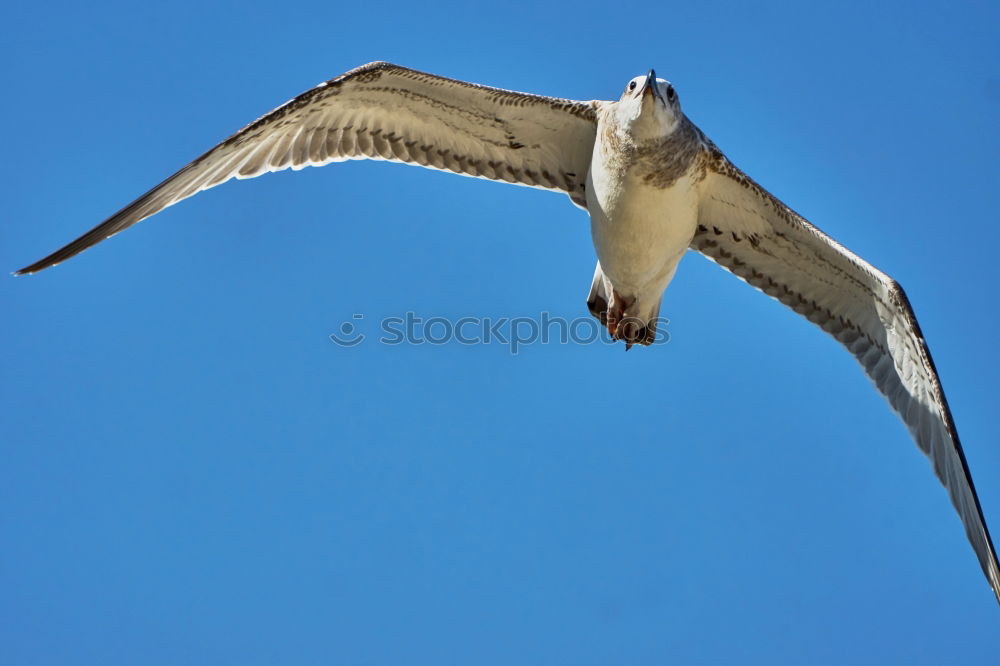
{"x": 387, "y": 112}
{"x": 746, "y": 230}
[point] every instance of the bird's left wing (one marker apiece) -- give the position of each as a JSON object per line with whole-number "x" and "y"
{"x": 386, "y": 112}
{"x": 746, "y": 230}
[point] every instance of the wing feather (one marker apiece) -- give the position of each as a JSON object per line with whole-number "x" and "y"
{"x": 387, "y": 112}
{"x": 746, "y": 230}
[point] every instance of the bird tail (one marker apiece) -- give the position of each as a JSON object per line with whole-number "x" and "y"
{"x": 597, "y": 301}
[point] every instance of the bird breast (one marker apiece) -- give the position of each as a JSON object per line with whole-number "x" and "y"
{"x": 643, "y": 206}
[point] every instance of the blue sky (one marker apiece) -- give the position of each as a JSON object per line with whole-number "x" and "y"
{"x": 193, "y": 473}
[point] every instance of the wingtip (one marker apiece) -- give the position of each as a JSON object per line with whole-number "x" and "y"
{"x": 31, "y": 269}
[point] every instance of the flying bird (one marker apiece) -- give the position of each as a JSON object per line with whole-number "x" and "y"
{"x": 654, "y": 186}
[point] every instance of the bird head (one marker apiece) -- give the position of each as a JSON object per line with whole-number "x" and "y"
{"x": 649, "y": 107}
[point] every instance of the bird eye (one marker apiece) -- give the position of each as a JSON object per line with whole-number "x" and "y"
{"x": 670, "y": 93}
{"x": 631, "y": 85}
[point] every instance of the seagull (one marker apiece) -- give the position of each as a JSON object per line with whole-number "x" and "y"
{"x": 654, "y": 185}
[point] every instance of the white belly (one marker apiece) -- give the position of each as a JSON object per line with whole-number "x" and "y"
{"x": 640, "y": 232}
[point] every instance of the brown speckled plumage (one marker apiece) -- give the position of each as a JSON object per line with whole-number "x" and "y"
{"x": 657, "y": 162}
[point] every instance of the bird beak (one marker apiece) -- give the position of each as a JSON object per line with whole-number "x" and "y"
{"x": 649, "y": 86}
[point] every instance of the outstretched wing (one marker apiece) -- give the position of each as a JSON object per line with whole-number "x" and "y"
{"x": 746, "y": 230}
{"x": 386, "y": 112}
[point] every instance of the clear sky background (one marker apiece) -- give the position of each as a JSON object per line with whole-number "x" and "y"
{"x": 193, "y": 473}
